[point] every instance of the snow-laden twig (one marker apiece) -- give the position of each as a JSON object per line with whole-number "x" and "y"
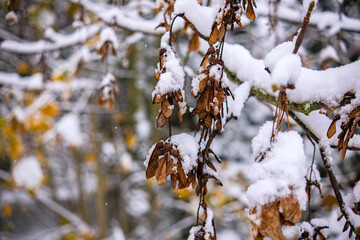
{"x": 327, "y": 162}
{"x": 58, "y": 42}
{"x": 124, "y": 18}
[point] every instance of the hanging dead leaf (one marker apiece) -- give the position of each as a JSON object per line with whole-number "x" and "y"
{"x": 203, "y": 83}
{"x": 202, "y": 102}
{"x": 194, "y": 44}
{"x": 161, "y": 120}
{"x": 332, "y": 129}
{"x": 166, "y": 108}
{"x": 214, "y": 36}
{"x": 250, "y": 12}
{"x": 161, "y": 172}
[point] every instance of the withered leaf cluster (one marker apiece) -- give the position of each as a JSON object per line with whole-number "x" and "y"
{"x": 167, "y": 7}
{"x": 232, "y": 13}
{"x": 108, "y": 93}
{"x": 105, "y": 49}
{"x": 212, "y": 93}
{"x": 272, "y": 216}
{"x": 348, "y": 130}
{"x": 356, "y": 210}
{"x": 204, "y": 231}
{"x": 166, "y": 160}
{"x": 167, "y": 100}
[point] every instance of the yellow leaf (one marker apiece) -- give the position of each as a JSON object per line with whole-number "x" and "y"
{"x": 23, "y": 68}
{"x": 16, "y": 147}
{"x": 131, "y": 141}
{"x": 51, "y": 109}
{"x": 7, "y": 210}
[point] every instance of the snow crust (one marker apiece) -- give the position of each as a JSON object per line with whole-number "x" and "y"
{"x": 281, "y": 172}
{"x": 327, "y": 86}
{"x": 108, "y": 34}
{"x": 328, "y": 53}
{"x": 277, "y": 53}
{"x": 27, "y": 173}
{"x": 287, "y": 70}
{"x": 356, "y": 191}
{"x": 173, "y": 79}
{"x": 188, "y": 148}
{"x": 201, "y": 16}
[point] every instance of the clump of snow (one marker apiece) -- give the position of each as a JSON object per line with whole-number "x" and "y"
{"x": 281, "y": 172}
{"x": 277, "y": 53}
{"x": 306, "y": 226}
{"x": 209, "y": 229}
{"x": 188, "y": 148}
{"x": 356, "y": 192}
{"x": 27, "y": 173}
{"x": 69, "y": 129}
{"x": 319, "y": 222}
{"x": 193, "y": 231}
{"x": 329, "y": 53}
{"x": 287, "y": 70}
{"x": 201, "y": 16}
{"x": 241, "y": 94}
{"x": 107, "y": 79}
{"x": 209, "y": 171}
{"x": 173, "y": 79}
{"x": 196, "y": 82}
{"x": 108, "y": 34}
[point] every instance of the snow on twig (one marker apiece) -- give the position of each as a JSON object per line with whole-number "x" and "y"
{"x": 59, "y": 41}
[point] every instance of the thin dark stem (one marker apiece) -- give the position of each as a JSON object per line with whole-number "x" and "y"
{"x": 306, "y": 21}
{"x": 328, "y": 168}
{"x": 334, "y": 184}
{"x": 170, "y": 132}
{"x": 172, "y": 24}
{"x": 311, "y": 171}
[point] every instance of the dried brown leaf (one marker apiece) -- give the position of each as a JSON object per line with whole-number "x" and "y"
{"x": 194, "y": 44}
{"x": 250, "y": 12}
{"x": 166, "y": 108}
{"x": 202, "y": 102}
{"x": 214, "y": 36}
{"x": 332, "y": 129}
{"x": 161, "y": 120}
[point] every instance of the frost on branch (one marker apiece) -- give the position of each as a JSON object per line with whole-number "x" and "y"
{"x": 177, "y": 157}
{"x": 170, "y": 77}
{"x": 277, "y": 193}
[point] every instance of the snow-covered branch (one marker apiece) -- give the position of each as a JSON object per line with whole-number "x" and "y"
{"x": 58, "y": 41}
{"x": 322, "y": 20}
{"x": 125, "y": 18}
